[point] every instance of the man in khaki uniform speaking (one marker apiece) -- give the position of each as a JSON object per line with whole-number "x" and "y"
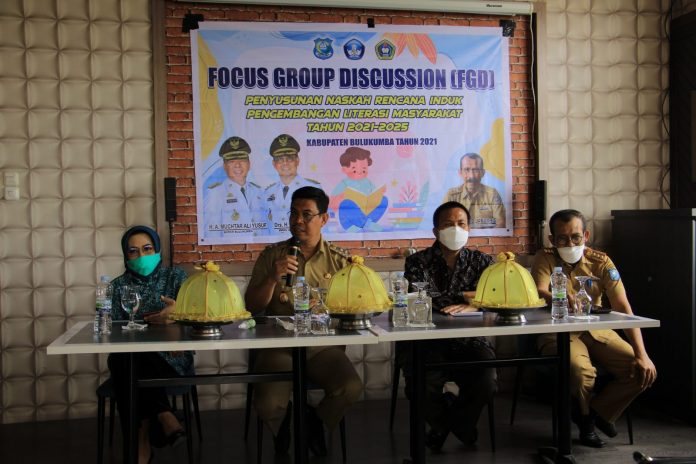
{"x": 629, "y": 364}
{"x": 327, "y": 367}
{"x": 484, "y": 203}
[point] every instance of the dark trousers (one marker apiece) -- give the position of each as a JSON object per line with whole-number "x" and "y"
{"x": 151, "y": 401}
{"x": 458, "y": 414}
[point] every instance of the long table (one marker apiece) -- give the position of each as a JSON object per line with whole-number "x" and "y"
{"x": 538, "y": 322}
{"x": 80, "y": 339}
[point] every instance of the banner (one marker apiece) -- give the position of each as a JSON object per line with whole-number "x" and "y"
{"x": 389, "y": 121}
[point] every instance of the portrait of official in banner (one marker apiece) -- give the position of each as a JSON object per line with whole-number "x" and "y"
{"x": 276, "y": 197}
{"x": 483, "y": 202}
{"x": 234, "y": 206}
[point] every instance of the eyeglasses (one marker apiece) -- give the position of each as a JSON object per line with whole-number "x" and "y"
{"x": 145, "y": 250}
{"x": 472, "y": 170}
{"x": 305, "y": 215}
{"x": 564, "y": 240}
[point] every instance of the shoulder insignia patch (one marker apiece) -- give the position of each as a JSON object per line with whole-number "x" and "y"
{"x": 614, "y": 275}
{"x": 312, "y": 181}
{"x": 341, "y": 251}
{"x": 595, "y": 255}
{"x": 454, "y": 191}
{"x": 271, "y": 186}
{"x": 255, "y": 185}
{"x": 214, "y": 184}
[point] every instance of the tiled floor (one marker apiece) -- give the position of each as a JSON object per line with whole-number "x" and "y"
{"x": 368, "y": 437}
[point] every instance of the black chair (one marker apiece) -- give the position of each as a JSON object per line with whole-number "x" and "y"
{"x": 189, "y": 395}
{"x": 396, "y": 376}
{"x": 259, "y": 422}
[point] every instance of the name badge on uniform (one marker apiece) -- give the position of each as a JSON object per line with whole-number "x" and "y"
{"x": 231, "y": 200}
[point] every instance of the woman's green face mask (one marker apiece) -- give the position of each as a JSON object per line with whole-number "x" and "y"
{"x": 145, "y": 264}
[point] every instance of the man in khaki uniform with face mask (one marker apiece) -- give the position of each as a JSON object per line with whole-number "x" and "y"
{"x": 327, "y": 367}
{"x": 629, "y": 363}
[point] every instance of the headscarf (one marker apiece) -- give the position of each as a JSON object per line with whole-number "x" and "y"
{"x": 154, "y": 236}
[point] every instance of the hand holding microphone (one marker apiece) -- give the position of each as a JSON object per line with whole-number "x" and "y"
{"x": 293, "y": 251}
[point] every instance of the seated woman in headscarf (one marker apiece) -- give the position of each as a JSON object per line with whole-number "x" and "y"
{"x": 158, "y": 287}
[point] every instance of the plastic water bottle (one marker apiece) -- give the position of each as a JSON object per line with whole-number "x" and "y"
{"x": 303, "y": 317}
{"x": 400, "y": 308}
{"x": 559, "y": 296}
{"x": 102, "y": 316}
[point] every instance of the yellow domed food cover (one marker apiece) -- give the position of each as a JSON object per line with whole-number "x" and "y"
{"x": 357, "y": 289}
{"x": 209, "y": 296}
{"x": 506, "y": 284}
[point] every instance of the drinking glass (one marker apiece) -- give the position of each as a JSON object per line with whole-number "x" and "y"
{"x": 583, "y": 301}
{"x": 130, "y": 302}
{"x": 321, "y": 321}
{"x": 432, "y": 289}
{"x": 419, "y": 311}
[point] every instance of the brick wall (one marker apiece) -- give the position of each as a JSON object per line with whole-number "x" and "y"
{"x": 180, "y": 123}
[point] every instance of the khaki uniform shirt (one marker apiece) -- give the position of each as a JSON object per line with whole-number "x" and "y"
{"x": 593, "y": 263}
{"x": 318, "y": 271}
{"x": 485, "y": 206}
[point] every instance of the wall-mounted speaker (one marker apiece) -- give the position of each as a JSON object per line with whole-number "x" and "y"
{"x": 170, "y": 199}
{"x": 539, "y": 200}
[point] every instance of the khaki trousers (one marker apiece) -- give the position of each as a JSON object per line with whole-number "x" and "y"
{"x": 608, "y": 350}
{"x": 327, "y": 367}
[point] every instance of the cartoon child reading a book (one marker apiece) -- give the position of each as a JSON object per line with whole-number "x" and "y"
{"x": 356, "y": 201}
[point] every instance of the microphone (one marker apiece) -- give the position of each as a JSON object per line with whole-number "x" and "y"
{"x": 293, "y": 250}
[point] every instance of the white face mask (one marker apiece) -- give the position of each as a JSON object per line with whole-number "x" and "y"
{"x": 454, "y": 238}
{"x": 571, "y": 255}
